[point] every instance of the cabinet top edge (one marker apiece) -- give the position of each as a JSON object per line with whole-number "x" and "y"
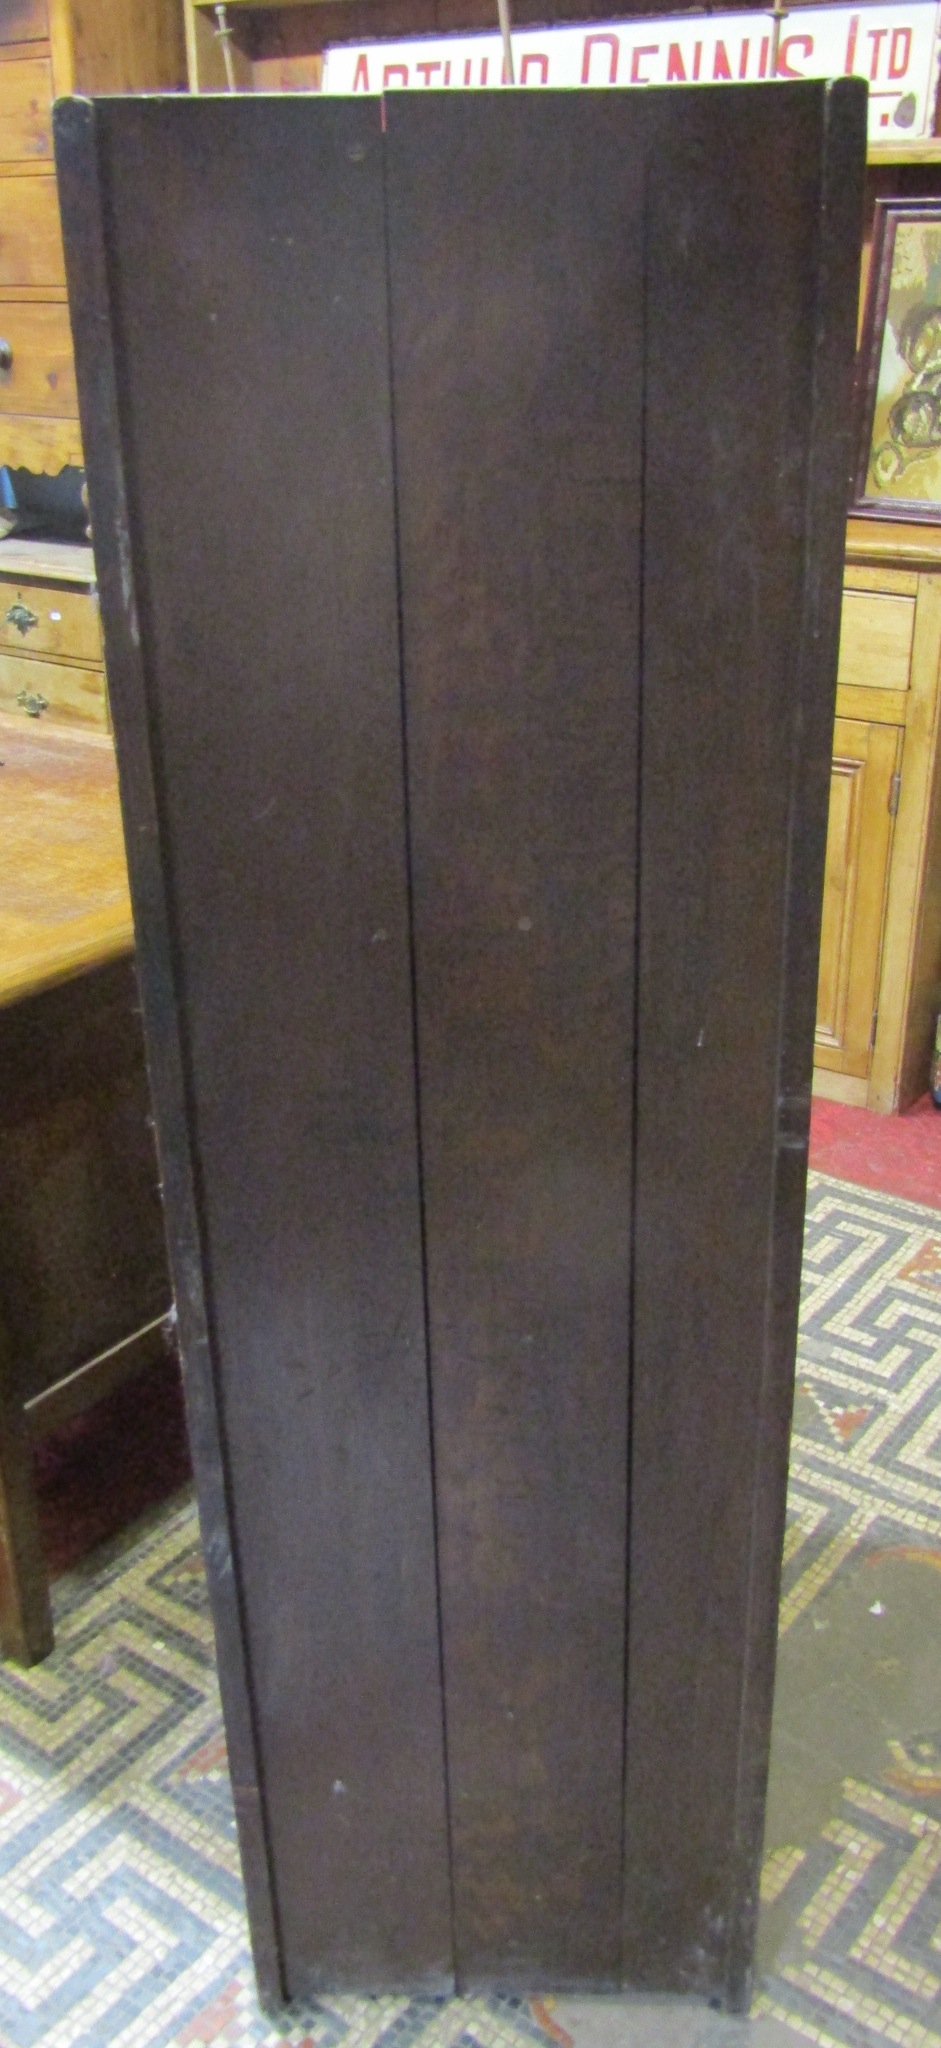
{"x": 889, "y": 540}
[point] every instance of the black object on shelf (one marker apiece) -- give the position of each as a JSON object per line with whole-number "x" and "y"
{"x": 49, "y": 506}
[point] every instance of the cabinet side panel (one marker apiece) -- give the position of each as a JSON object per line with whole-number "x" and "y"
{"x": 743, "y": 480}
{"x": 247, "y": 275}
{"x": 516, "y": 323}
{"x": 80, "y": 187}
{"x": 842, "y": 169}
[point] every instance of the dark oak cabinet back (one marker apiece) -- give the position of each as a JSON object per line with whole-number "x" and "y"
{"x": 467, "y": 480}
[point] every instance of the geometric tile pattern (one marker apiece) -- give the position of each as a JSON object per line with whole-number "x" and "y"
{"x": 122, "y": 1920}
{"x": 857, "y": 1895}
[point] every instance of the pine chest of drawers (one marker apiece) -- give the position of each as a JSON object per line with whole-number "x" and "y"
{"x": 879, "y": 990}
{"x": 51, "y": 657}
{"x": 48, "y": 48}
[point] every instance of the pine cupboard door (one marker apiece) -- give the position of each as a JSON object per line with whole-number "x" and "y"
{"x": 859, "y": 840}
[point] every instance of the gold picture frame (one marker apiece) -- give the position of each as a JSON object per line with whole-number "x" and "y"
{"x": 898, "y": 473}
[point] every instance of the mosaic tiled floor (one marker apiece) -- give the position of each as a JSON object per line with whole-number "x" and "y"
{"x": 121, "y": 1917}
{"x": 851, "y": 1940}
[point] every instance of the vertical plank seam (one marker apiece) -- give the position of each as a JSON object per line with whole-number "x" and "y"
{"x": 416, "y": 1060}
{"x": 635, "y": 1049}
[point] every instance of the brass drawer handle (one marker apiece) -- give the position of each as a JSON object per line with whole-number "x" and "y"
{"x": 20, "y": 616}
{"x": 6, "y": 355}
{"x": 33, "y": 702}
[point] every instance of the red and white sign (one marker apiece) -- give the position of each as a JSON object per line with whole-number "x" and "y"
{"x": 895, "y": 48}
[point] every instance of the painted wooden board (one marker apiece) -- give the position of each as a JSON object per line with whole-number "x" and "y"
{"x": 517, "y": 341}
{"x": 471, "y": 598}
{"x": 245, "y": 264}
{"x": 744, "y": 514}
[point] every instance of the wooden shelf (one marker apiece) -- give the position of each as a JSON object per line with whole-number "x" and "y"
{"x": 923, "y": 149}
{"x": 64, "y": 903}
{"x": 56, "y": 561}
{"x": 894, "y": 540}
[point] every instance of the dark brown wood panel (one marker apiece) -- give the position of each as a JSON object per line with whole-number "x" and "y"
{"x": 515, "y": 237}
{"x": 620, "y": 330}
{"x": 842, "y": 156}
{"x": 750, "y": 323}
{"x": 82, "y": 1254}
{"x": 245, "y": 254}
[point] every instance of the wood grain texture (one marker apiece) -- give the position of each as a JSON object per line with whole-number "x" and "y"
{"x": 30, "y": 234}
{"x": 924, "y": 1002}
{"x": 869, "y": 577}
{"x": 80, "y": 187}
{"x": 872, "y": 705}
{"x": 205, "y": 59}
{"x": 744, "y": 470}
{"x": 876, "y": 640}
{"x": 117, "y": 45}
{"x": 25, "y": 1610}
{"x": 26, "y": 108}
{"x": 246, "y": 266}
{"x": 890, "y": 540}
{"x": 840, "y": 1088}
{"x": 47, "y": 619}
{"x": 64, "y": 902}
{"x": 44, "y": 444}
{"x": 610, "y": 576}
{"x": 889, "y": 565}
{"x": 83, "y": 1270}
{"x": 515, "y": 239}
{"x": 55, "y": 692}
{"x": 41, "y": 377}
{"x": 859, "y": 839}
{"x": 83, "y": 1259}
{"x": 905, "y": 1034}
{"x": 61, "y": 562}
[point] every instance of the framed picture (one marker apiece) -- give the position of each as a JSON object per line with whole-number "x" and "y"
{"x": 899, "y": 468}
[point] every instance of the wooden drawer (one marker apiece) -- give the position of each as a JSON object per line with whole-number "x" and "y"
{"x": 23, "y": 21}
{"x": 25, "y": 109}
{"x": 30, "y": 233}
{"x": 68, "y": 695}
{"x": 46, "y": 445}
{"x": 42, "y": 618}
{"x": 876, "y": 640}
{"x": 41, "y": 376}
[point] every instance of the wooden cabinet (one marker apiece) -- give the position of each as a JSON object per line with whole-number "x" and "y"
{"x": 37, "y": 373}
{"x": 48, "y": 48}
{"x": 862, "y": 788}
{"x": 84, "y": 1290}
{"x": 880, "y": 955}
{"x": 51, "y": 661}
{"x": 267, "y": 47}
{"x": 30, "y": 234}
{"x": 51, "y": 658}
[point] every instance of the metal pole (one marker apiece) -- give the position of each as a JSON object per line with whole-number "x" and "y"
{"x": 503, "y": 10}
{"x": 224, "y": 34}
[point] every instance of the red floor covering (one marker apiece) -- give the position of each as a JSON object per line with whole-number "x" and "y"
{"x": 898, "y": 1155}
{"x": 96, "y": 1476}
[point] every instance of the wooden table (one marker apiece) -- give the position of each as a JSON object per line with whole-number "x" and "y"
{"x": 64, "y": 902}
{"x": 84, "y": 1292}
